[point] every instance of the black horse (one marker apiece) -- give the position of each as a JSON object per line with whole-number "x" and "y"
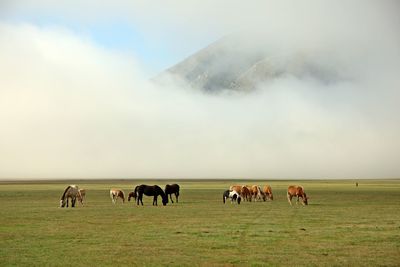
{"x": 172, "y": 189}
{"x": 150, "y": 190}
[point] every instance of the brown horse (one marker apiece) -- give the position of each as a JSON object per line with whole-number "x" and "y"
{"x": 246, "y": 194}
{"x": 267, "y": 190}
{"x": 132, "y": 195}
{"x": 115, "y": 194}
{"x": 237, "y": 188}
{"x": 256, "y": 192}
{"x": 297, "y": 191}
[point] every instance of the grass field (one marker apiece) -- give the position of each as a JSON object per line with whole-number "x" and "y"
{"x": 343, "y": 225}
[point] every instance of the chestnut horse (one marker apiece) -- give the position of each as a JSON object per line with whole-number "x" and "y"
{"x": 267, "y": 193}
{"x": 297, "y": 191}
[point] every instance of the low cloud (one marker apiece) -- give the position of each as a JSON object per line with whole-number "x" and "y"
{"x": 72, "y": 109}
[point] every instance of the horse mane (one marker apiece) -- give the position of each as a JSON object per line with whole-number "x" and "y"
{"x": 65, "y": 191}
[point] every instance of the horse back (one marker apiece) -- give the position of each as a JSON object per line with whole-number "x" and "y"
{"x": 296, "y": 190}
{"x": 171, "y": 188}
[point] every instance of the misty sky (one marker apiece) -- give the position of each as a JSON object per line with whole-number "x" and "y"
{"x": 76, "y": 100}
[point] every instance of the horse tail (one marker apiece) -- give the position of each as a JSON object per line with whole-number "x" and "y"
{"x": 136, "y": 189}
{"x": 123, "y": 196}
{"x": 65, "y": 192}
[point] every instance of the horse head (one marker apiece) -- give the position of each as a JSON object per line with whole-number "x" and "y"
{"x": 62, "y": 203}
{"x": 305, "y": 199}
{"x": 164, "y": 198}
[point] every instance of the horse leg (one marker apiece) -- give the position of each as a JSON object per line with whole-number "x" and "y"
{"x": 73, "y": 200}
{"x": 170, "y": 196}
{"x": 67, "y": 202}
{"x": 141, "y": 199}
{"x": 289, "y": 198}
{"x": 176, "y": 196}
{"x": 155, "y": 200}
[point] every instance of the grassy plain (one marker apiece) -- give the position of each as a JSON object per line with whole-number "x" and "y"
{"x": 344, "y": 225}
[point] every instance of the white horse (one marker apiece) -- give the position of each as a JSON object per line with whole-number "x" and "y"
{"x": 117, "y": 193}
{"x": 71, "y": 192}
{"x": 233, "y": 195}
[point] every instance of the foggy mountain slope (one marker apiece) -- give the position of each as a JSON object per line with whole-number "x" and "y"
{"x": 241, "y": 63}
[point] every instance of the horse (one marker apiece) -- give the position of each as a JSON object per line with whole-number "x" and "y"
{"x": 297, "y": 191}
{"x": 71, "y": 192}
{"x": 81, "y": 196}
{"x": 151, "y": 190}
{"x": 172, "y": 189}
{"x": 233, "y": 195}
{"x": 132, "y": 195}
{"x": 115, "y": 194}
{"x": 256, "y": 192}
{"x": 246, "y": 194}
{"x": 267, "y": 190}
{"x": 237, "y": 188}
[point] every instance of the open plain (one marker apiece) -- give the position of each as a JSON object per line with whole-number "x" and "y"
{"x": 343, "y": 225}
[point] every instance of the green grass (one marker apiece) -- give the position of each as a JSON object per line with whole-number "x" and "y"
{"x": 344, "y": 225}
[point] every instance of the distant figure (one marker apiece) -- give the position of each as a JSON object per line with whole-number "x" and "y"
{"x": 356, "y": 184}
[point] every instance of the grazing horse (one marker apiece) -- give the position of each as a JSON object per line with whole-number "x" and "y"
{"x": 297, "y": 191}
{"x": 256, "y": 192}
{"x": 172, "y": 189}
{"x": 81, "y": 196}
{"x": 237, "y": 188}
{"x": 246, "y": 194}
{"x": 115, "y": 194}
{"x": 132, "y": 195}
{"x": 150, "y": 190}
{"x": 267, "y": 190}
{"x": 233, "y": 195}
{"x": 71, "y": 192}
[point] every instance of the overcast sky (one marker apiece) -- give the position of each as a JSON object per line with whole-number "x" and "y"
{"x": 75, "y": 100}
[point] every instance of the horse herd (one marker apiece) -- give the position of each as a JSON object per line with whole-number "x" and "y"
{"x": 254, "y": 193}
{"x": 74, "y": 193}
{"x": 236, "y": 194}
